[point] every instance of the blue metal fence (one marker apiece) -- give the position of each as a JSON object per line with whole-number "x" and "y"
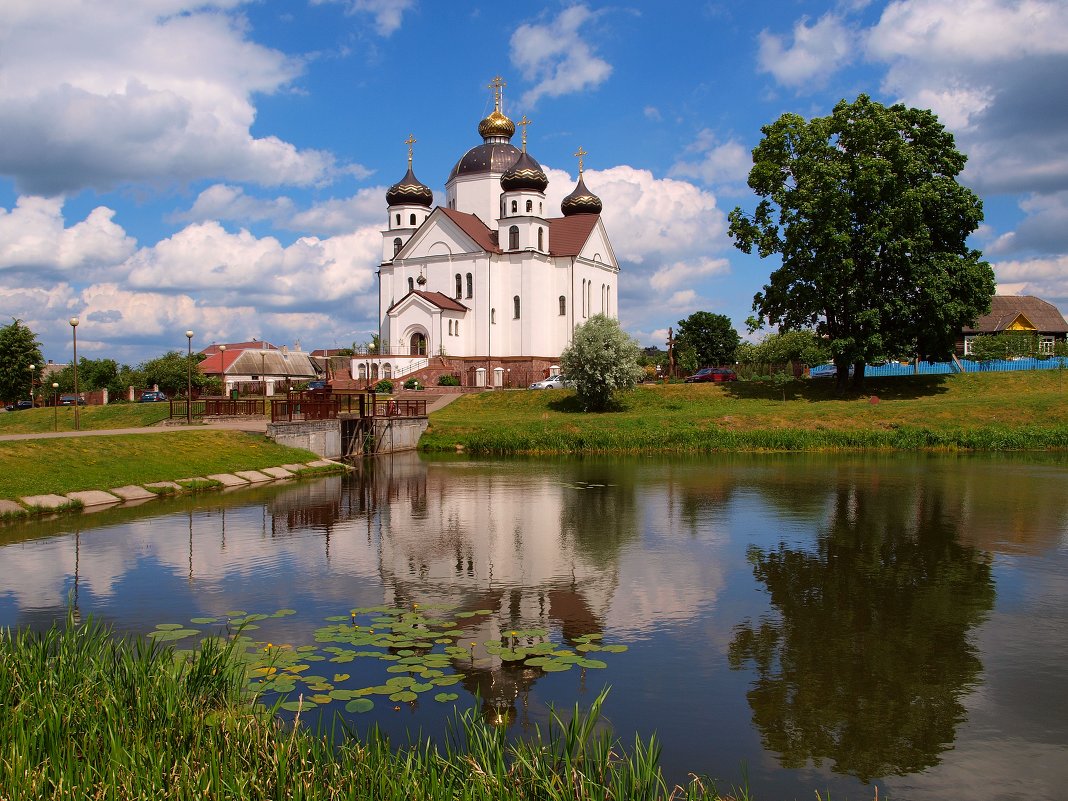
{"x": 944, "y": 368}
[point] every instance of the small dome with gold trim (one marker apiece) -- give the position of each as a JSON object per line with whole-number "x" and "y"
{"x": 526, "y": 173}
{"x": 496, "y": 124}
{"x": 409, "y": 191}
{"x": 580, "y": 201}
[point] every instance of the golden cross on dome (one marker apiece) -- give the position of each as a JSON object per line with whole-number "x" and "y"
{"x": 580, "y": 154}
{"x": 497, "y": 84}
{"x": 524, "y": 122}
{"x": 411, "y": 140}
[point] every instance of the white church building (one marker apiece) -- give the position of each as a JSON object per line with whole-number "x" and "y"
{"x": 489, "y": 286}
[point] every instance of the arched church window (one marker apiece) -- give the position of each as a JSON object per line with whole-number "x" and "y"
{"x": 396, "y": 246}
{"x": 459, "y": 286}
{"x": 450, "y": 328}
{"x": 541, "y": 239}
{"x": 541, "y": 209}
{"x": 411, "y": 219}
{"x": 362, "y": 372}
{"x": 417, "y": 345}
{"x": 515, "y": 307}
{"x": 470, "y": 285}
{"x": 563, "y": 305}
{"x": 387, "y": 371}
{"x": 411, "y": 284}
{"x": 513, "y": 238}
{"x": 456, "y": 328}
{"x": 515, "y": 207}
{"x": 398, "y": 219}
{"x": 530, "y": 206}
{"x": 493, "y": 316}
{"x": 374, "y": 371}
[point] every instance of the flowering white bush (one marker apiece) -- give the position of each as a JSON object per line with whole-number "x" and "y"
{"x": 601, "y": 360}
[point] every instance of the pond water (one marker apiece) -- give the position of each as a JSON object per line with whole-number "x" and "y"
{"x": 803, "y": 622}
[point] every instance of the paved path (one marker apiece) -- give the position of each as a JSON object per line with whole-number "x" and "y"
{"x": 258, "y": 424}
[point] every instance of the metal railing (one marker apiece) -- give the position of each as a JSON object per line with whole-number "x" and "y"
{"x": 224, "y": 407}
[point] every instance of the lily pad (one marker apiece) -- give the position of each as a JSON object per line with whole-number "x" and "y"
{"x": 284, "y": 613}
{"x": 296, "y": 706}
{"x": 340, "y": 677}
{"x": 360, "y": 705}
{"x": 236, "y": 613}
{"x": 169, "y": 626}
{"x": 446, "y": 697}
{"x": 203, "y": 621}
{"x": 591, "y": 663}
{"x": 614, "y": 649}
{"x": 171, "y": 635}
{"x": 403, "y": 695}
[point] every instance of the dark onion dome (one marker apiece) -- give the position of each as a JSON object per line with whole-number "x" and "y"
{"x": 526, "y": 173}
{"x": 489, "y": 157}
{"x": 496, "y": 125}
{"x": 580, "y": 201}
{"x": 409, "y": 191}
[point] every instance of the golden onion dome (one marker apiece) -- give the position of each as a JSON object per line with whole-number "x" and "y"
{"x": 496, "y": 125}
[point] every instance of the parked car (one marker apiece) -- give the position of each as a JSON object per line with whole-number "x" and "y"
{"x": 151, "y": 397}
{"x": 70, "y": 400}
{"x": 712, "y": 374}
{"x": 19, "y": 405}
{"x": 552, "y": 382}
{"x": 316, "y": 385}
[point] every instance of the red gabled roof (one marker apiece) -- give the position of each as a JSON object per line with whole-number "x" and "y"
{"x": 567, "y": 235}
{"x": 218, "y": 362}
{"x": 321, "y": 353}
{"x": 474, "y": 228}
{"x": 438, "y": 299}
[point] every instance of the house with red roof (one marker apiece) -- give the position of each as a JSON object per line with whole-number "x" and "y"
{"x": 491, "y": 285}
{"x": 239, "y": 364}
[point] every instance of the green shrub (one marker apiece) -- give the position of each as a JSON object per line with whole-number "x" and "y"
{"x": 385, "y": 386}
{"x": 412, "y": 383}
{"x": 448, "y": 381}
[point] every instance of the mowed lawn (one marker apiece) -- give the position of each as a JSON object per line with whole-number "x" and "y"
{"x": 90, "y": 418}
{"x": 69, "y": 464}
{"x": 993, "y": 410}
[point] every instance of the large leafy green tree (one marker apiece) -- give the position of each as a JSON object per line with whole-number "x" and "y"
{"x": 711, "y": 336}
{"x": 601, "y": 360}
{"x": 169, "y": 372}
{"x": 19, "y": 349}
{"x": 865, "y": 210}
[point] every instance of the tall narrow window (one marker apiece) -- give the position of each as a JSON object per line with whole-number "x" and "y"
{"x": 515, "y": 207}
{"x": 396, "y": 246}
{"x": 450, "y": 328}
{"x": 411, "y": 219}
{"x": 456, "y": 328}
{"x": 583, "y": 297}
{"x": 374, "y": 371}
{"x": 398, "y": 219}
{"x": 515, "y": 307}
{"x": 541, "y": 237}
{"x": 411, "y": 284}
{"x": 563, "y": 305}
{"x": 513, "y": 238}
{"x": 459, "y": 286}
{"x": 493, "y": 316}
{"x": 530, "y": 206}
{"x": 470, "y": 285}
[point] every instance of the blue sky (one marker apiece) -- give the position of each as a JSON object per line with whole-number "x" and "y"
{"x": 221, "y": 165}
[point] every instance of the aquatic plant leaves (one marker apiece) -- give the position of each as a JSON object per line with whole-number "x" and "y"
{"x": 360, "y": 705}
{"x": 446, "y": 697}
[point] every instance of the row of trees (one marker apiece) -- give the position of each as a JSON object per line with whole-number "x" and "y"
{"x": 19, "y": 348}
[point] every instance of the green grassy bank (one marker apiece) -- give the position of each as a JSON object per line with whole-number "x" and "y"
{"x": 90, "y": 716}
{"x": 992, "y": 411}
{"x": 70, "y": 464}
{"x": 90, "y": 418}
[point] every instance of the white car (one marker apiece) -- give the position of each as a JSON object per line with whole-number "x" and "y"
{"x": 552, "y": 382}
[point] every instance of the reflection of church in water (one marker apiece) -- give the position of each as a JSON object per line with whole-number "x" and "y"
{"x": 519, "y": 553}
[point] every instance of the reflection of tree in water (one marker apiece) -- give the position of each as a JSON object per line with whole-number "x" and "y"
{"x": 869, "y": 657}
{"x": 599, "y": 512}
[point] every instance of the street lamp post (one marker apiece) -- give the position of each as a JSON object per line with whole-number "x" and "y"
{"x": 189, "y": 378}
{"x": 33, "y": 367}
{"x": 77, "y": 398}
{"x": 55, "y": 406}
{"x": 222, "y": 368}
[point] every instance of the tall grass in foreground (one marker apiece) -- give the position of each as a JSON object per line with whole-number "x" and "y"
{"x": 548, "y": 440}
{"x": 86, "y": 715}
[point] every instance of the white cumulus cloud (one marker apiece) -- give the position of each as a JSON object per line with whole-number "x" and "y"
{"x": 556, "y": 57}
{"x": 388, "y": 14}
{"x": 816, "y": 52}
{"x": 111, "y": 92}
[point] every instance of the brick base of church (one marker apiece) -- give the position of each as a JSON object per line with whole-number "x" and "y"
{"x": 507, "y": 372}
